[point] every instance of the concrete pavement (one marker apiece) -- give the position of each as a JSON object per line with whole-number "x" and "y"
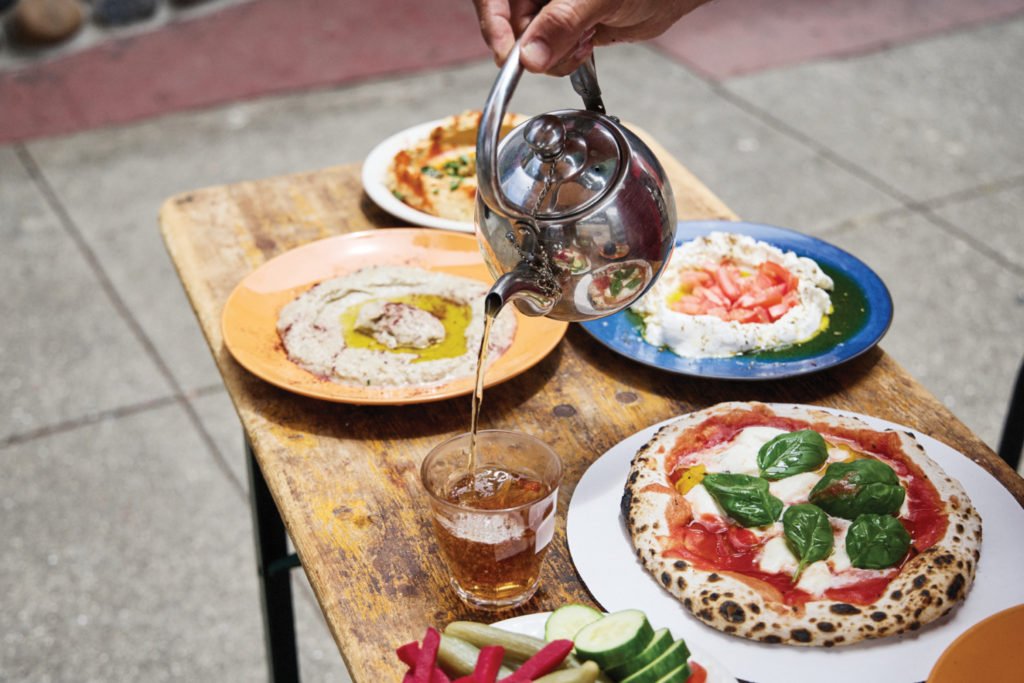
{"x": 129, "y": 551}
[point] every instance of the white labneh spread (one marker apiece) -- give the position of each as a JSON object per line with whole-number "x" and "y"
{"x": 708, "y": 336}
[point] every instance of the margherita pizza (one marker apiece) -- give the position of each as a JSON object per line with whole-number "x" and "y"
{"x": 793, "y": 525}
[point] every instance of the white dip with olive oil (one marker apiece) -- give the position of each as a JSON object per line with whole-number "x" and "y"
{"x": 392, "y": 326}
{"x": 708, "y": 336}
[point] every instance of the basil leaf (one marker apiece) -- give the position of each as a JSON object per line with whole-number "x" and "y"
{"x": 745, "y": 498}
{"x": 615, "y": 287}
{"x": 876, "y": 541}
{"x": 808, "y": 534}
{"x": 850, "y": 489}
{"x": 792, "y": 453}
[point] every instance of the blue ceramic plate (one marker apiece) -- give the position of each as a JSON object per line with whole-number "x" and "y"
{"x": 862, "y": 313}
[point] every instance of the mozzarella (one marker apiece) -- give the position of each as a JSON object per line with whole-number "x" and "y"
{"x": 816, "y": 578}
{"x": 776, "y": 557}
{"x": 905, "y": 507}
{"x": 763, "y": 533}
{"x": 840, "y": 560}
{"x": 740, "y": 455}
{"x": 795, "y": 489}
{"x": 701, "y": 502}
{"x": 836, "y": 454}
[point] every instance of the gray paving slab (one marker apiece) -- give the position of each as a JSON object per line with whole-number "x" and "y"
{"x": 928, "y": 118}
{"x": 221, "y": 422}
{"x": 997, "y": 218}
{"x": 65, "y": 352}
{"x": 763, "y": 175}
{"x": 319, "y": 659}
{"x": 958, "y": 315}
{"x": 128, "y": 557}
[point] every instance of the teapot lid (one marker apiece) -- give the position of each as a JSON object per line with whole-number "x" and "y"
{"x": 560, "y": 163}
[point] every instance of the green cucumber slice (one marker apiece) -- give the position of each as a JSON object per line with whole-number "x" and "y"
{"x": 678, "y": 675}
{"x": 566, "y": 622}
{"x": 614, "y": 639}
{"x": 662, "y": 641}
{"x": 667, "y": 662}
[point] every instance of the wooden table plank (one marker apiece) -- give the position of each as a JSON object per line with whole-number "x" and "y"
{"x": 345, "y": 477}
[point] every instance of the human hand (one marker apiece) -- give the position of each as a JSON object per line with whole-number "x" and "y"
{"x": 558, "y": 36}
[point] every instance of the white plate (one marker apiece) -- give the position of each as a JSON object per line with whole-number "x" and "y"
{"x": 375, "y": 172}
{"x": 605, "y": 561}
{"x": 533, "y": 625}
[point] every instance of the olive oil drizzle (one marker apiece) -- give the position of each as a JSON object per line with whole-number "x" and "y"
{"x": 453, "y": 315}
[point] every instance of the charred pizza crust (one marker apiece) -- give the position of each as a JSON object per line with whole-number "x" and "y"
{"x": 929, "y": 586}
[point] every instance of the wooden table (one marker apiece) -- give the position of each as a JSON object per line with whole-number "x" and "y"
{"x": 345, "y": 478}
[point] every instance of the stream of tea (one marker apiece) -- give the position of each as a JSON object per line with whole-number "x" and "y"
{"x": 492, "y": 307}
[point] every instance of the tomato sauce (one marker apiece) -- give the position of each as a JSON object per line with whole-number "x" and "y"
{"x": 712, "y": 544}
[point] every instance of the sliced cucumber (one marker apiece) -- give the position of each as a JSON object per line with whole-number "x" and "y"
{"x": 612, "y": 640}
{"x": 667, "y": 662}
{"x": 662, "y": 641}
{"x": 678, "y": 675}
{"x": 566, "y": 622}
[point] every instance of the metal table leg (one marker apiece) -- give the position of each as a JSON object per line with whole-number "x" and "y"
{"x": 272, "y": 563}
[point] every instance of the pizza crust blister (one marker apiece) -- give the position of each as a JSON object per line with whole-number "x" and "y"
{"x": 928, "y": 587}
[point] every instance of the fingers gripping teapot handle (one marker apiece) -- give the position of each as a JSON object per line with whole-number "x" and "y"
{"x": 584, "y": 82}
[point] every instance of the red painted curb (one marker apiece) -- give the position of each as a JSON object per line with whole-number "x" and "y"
{"x": 256, "y": 48}
{"x": 736, "y": 37}
{"x": 270, "y": 46}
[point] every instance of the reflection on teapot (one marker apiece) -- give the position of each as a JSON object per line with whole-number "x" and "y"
{"x": 574, "y": 214}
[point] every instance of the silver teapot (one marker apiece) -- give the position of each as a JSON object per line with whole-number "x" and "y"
{"x": 574, "y": 214}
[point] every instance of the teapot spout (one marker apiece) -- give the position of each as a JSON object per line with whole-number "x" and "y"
{"x": 525, "y": 287}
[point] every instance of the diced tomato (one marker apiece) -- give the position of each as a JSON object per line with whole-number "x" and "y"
{"x": 690, "y": 305}
{"x": 725, "y": 291}
{"x": 694, "y": 278}
{"x": 718, "y": 311}
{"x": 742, "y": 315}
{"x": 779, "y": 273}
{"x": 778, "y": 310}
{"x": 712, "y": 294}
{"x": 725, "y": 276}
{"x": 771, "y": 296}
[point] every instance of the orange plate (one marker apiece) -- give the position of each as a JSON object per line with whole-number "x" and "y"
{"x": 249, "y": 321}
{"x": 989, "y": 651}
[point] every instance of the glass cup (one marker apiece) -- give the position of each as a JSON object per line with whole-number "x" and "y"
{"x": 495, "y": 526}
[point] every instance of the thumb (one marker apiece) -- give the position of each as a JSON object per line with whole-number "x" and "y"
{"x": 555, "y": 32}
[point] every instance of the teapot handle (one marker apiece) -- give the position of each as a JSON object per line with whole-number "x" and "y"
{"x": 488, "y": 183}
{"x": 584, "y": 82}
